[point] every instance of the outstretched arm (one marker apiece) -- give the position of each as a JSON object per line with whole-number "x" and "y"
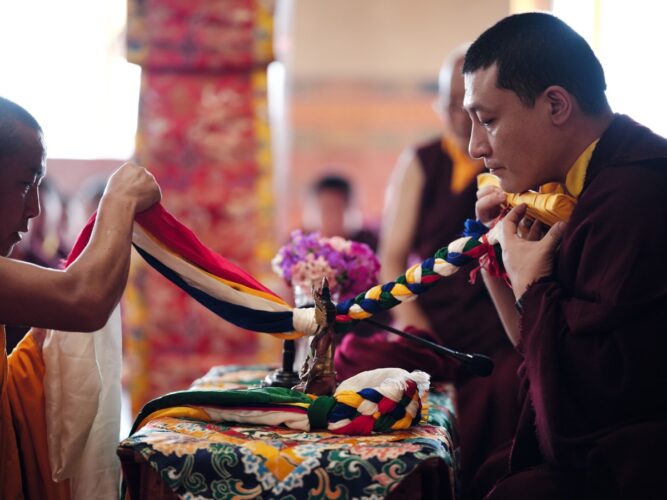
{"x": 399, "y": 222}
{"x": 82, "y": 297}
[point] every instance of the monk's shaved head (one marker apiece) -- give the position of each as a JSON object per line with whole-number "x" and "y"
{"x": 13, "y": 121}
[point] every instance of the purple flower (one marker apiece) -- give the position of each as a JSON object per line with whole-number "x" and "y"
{"x": 350, "y": 266}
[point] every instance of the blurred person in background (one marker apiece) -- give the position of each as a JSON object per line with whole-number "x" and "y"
{"x": 330, "y": 209}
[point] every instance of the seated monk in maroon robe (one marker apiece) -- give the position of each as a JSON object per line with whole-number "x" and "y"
{"x": 588, "y": 304}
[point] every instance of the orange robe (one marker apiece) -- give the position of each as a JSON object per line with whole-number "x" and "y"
{"x": 25, "y": 471}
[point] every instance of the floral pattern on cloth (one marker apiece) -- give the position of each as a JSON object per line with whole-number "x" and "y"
{"x": 224, "y": 461}
{"x": 200, "y": 35}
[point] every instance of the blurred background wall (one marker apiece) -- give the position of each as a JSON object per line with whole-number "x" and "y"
{"x": 361, "y": 80}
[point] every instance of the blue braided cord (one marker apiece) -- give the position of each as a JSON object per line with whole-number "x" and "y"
{"x": 428, "y": 264}
{"x": 371, "y": 395}
{"x": 458, "y": 259}
{"x": 344, "y": 307}
{"x": 417, "y": 288}
{"x": 370, "y": 305}
{"x": 398, "y": 412}
{"x": 474, "y": 228}
{"x": 388, "y": 286}
{"x": 342, "y": 411}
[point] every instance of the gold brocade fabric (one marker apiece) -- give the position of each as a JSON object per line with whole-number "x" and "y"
{"x": 548, "y": 208}
{"x": 574, "y": 181}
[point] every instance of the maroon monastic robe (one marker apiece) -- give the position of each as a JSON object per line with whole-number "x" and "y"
{"x": 594, "y": 338}
{"x": 463, "y": 317}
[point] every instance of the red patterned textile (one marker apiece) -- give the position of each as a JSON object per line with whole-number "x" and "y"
{"x": 201, "y": 35}
{"x": 203, "y": 132}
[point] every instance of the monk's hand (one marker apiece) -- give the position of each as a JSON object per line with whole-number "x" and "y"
{"x": 527, "y": 259}
{"x": 531, "y": 229}
{"x": 490, "y": 202}
{"x": 135, "y": 185}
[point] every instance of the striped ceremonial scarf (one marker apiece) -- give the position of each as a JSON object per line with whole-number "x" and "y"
{"x": 222, "y": 287}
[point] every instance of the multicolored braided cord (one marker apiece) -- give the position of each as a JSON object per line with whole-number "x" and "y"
{"x": 479, "y": 244}
{"x": 366, "y": 411}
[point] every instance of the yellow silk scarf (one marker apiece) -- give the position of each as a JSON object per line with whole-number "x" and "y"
{"x": 555, "y": 201}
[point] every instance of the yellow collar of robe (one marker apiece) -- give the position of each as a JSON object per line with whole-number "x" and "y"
{"x": 464, "y": 168}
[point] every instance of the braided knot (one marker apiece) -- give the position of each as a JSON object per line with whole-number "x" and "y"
{"x": 395, "y": 404}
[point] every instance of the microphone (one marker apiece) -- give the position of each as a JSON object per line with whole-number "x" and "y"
{"x": 478, "y": 364}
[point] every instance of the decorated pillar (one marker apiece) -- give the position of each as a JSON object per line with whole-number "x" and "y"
{"x": 203, "y": 132}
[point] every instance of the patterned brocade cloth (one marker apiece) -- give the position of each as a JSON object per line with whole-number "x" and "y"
{"x": 195, "y": 459}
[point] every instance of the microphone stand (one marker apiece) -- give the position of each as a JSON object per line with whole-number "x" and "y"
{"x": 478, "y": 364}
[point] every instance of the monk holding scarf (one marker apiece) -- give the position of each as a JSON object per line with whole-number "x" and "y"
{"x": 588, "y": 304}
{"x": 80, "y": 298}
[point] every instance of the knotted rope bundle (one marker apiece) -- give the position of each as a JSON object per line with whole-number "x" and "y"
{"x": 373, "y": 401}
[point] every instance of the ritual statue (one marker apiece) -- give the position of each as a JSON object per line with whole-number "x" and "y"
{"x": 317, "y": 373}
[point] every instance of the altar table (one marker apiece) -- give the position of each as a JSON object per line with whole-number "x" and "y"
{"x": 181, "y": 458}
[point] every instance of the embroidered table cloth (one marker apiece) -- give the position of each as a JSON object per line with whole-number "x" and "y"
{"x": 195, "y": 459}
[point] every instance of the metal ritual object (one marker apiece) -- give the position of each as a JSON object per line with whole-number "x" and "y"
{"x": 317, "y": 373}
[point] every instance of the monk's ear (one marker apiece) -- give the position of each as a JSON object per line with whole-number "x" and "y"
{"x": 560, "y": 104}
